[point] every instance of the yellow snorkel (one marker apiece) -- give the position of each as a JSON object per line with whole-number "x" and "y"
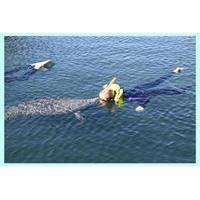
{"x": 110, "y": 83}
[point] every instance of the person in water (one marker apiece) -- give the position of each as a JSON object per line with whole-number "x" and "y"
{"x": 141, "y": 94}
{"x": 112, "y": 92}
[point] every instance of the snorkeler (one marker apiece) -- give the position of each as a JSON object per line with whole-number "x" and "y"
{"x": 29, "y": 70}
{"x": 140, "y": 94}
{"x": 111, "y": 92}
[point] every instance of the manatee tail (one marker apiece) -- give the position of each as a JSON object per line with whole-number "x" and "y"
{"x": 11, "y": 112}
{"x": 23, "y": 77}
{"x": 14, "y": 70}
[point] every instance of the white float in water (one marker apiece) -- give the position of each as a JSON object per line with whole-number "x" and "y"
{"x": 139, "y": 109}
{"x": 178, "y": 70}
{"x": 44, "y": 64}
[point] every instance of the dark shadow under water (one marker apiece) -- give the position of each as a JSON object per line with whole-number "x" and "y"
{"x": 12, "y": 75}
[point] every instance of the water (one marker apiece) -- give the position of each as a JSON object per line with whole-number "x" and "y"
{"x": 163, "y": 133}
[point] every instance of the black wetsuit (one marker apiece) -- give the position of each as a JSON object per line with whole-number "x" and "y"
{"x": 143, "y": 93}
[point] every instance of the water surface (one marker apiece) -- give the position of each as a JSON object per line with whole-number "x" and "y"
{"x": 163, "y": 133}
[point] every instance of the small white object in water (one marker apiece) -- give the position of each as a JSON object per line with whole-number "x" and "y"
{"x": 41, "y": 64}
{"x": 178, "y": 70}
{"x": 139, "y": 109}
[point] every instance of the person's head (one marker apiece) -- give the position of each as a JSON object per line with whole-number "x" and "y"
{"x": 106, "y": 94}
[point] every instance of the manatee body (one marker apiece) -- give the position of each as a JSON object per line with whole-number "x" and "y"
{"x": 49, "y": 107}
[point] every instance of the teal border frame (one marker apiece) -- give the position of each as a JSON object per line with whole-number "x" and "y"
{"x": 197, "y": 99}
{"x": 1, "y": 99}
{"x": 99, "y": 34}
{"x": 2, "y": 35}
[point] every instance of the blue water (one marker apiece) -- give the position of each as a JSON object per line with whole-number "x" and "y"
{"x": 163, "y": 133}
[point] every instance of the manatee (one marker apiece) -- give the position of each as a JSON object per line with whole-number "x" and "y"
{"x": 50, "y": 107}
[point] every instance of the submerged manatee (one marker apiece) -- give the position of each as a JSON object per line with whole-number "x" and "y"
{"x": 50, "y": 107}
